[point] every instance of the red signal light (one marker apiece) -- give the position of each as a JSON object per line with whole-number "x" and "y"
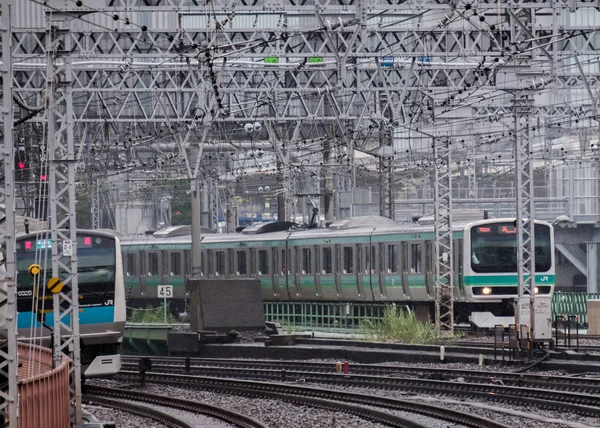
{"x": 43, "y": 177}
{"x": 21, "y": 165}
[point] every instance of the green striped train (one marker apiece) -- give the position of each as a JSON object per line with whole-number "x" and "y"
{"x": 356, "y": 260}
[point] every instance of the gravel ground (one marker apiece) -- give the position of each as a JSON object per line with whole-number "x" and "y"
{"x": 272, "y": 413}
{"x": 123, "y": 419}
{"x": 288, "y": 415}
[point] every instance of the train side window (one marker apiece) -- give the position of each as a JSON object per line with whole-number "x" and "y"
{"x": 241, "y": 263}
{"x": 327, "y": 260}
{"x": 263, "y": 262}
{"x": 131, "y": 264}
{"x": 392, "y": 258}
{"x": 219, "y": 263}
{"x": 348, "y": 262}
{"x": 306, "y": 261}
{"x": 153, "y": 264}
{"x": 175, "y": 264}
{"x": 415, "y": 258}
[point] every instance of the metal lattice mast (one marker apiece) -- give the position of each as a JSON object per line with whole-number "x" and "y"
{"x": 525, "y": 204}
{"x": 94, "y": 187}
{"x": 9, "y": 400}
{"x": 523, "y": 30}
{"x": 386, "y": 190}
{"x": 62, "y": 168}
{"x": 213, "y": 201}
{"x": 442, "y": 209}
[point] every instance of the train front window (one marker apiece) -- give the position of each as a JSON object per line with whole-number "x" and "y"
{"x": 494, "y": 248}
{"x": 95, "y": 261}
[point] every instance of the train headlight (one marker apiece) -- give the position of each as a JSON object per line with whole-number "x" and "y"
{"x": 486, "y": 290}
{"x": 536, "y": 290}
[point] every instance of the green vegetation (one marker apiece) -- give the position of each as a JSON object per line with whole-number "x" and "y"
{"x": 288, "y": 327}
{"x": 151, "y": 315}
{"x": 399, "y": 325}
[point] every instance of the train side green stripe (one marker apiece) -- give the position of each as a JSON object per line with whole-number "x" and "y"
{"x": 501, "y": 280}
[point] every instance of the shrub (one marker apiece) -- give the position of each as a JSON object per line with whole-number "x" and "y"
{"x": 399, "y": 325}
{"x": 150, "y": 315}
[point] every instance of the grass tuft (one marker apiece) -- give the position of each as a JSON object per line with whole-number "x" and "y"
{"x": 399, "y": 325}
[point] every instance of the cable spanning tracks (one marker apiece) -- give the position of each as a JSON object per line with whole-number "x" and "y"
{"x": 334, "y": 400}
{"x": 111, "y": 397}
{"x": 579, "y": 396}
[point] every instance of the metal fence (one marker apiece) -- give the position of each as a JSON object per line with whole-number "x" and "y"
{"x": 43, "y": 391}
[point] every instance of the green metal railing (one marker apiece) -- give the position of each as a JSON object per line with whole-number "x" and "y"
{"x": 566, "y": 304}
{"x": 349, "y": 315}
{"x": 322, "y": 315}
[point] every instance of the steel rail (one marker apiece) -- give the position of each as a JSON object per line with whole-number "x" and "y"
{"x": 96, "y": 393}
{"x": 146, "y": 412}
{"x": 293, "y": 392}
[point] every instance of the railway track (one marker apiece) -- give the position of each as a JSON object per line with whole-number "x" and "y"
{"x": 334, "y": 400}
{"x": 112, "y": 397}
{"x": 580, "y": 396}
{"x": 300, "y": 368}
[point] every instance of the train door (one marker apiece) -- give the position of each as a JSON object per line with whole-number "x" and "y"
{"x": 187, "y": 263}
{"x": 375, "y": 272}
{"x": 305, "y": 273}
{"x": 365, "y": 271}
{"x": 347, "y": 272}
{"x": 279, "y": 274}
{"x": 415, "y": 272}
{"x": 265, "y": 266}
{"x": 152, "y": 274}
{"x": 239, "y": 263}
{"x": 219, "y": 267}
{"x": 132, "y": 275}
{"x": 327, "y": 274}
{"x": 318, "y": 269}
{"x": 459, "y": 289}
{"x": 231, "y": 270}
{"x": 292, "y": 255}
{"x": 174, "y": 275}
{"x": 405, "y": 267}
{"x": 429, "y": 264}
{"x": 393, "y": 275}
{"x": 359, "y": 267}
{"x": 381, "y": 264}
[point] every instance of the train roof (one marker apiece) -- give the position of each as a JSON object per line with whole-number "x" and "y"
{"x": 368, "y": 225}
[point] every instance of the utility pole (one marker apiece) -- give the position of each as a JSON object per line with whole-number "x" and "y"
{"x": 442, "y": 206}
{"x": 9, "y": 396}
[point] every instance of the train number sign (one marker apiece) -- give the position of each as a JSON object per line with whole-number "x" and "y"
{"x": 165, "y": 291}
